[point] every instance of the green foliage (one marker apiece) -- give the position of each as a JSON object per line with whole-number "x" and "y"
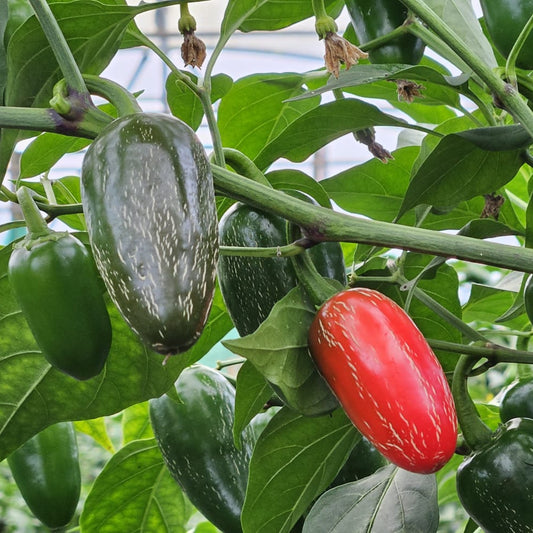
{"x": 463, "y": 142}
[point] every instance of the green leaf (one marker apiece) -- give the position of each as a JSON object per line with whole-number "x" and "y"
{"x": 136, "y": 423}
{"x": 250, "y": 15}
{"x": 390, "y": 498}
{"x": 294, "y": 460}
{"x": 135, "y": 492}
{"x": 93, "y": 31}
{"x": 251, "y": 396}
{"x": 320, "y": 126}
{"x": 185, "y": 104}
{"x": 33, "y": 395}
{"x": 255, "y": 111}
{"x": 486, "y": 304}
{"x": 366, "y": 74}
{"x": 46, "y": 150}
{"x": 457, "y": 170}
{"x": 460, "y": 16}
{"x": 278, "y": 349}
{"x": 97, "y": 430}
{"x": 372, "y": 188}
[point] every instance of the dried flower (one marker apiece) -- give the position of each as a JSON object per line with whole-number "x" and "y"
{"x": 493, "y": 204}
{"x": 339, "y": 50}
{"x": 193, "y": 50}
{"x": 409, "y": 90}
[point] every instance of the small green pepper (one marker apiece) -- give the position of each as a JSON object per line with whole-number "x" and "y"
{"x": 47, "y": 472}
{"x": 56, "y": 285}
{"x": 372, "y": 19}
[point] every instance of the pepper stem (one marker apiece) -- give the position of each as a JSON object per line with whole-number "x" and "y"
{"x": 318, "y": 288}
{"x": 244, "y": 166}
{"x": 475, "y": 432}
{"x": 37, "y": 226}
{"x": 324, "y": 24}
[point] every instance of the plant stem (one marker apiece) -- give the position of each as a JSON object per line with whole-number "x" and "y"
{"x": 493, "y": 352}
{"x": 510, "y": 69}
{"x": 203, "y": 93}
{"x": 122, "y": 99}
{"x": 244, "y": 166}
{"x": 447, "y": 315}
{"x": 322, "y": 224}
{"x": 37, "y": 227}
{"x": 505, "y": 92}
{"x": 59, "y": 46}
{"x": 289, "y": 250}
{"x": 475, "y": 432}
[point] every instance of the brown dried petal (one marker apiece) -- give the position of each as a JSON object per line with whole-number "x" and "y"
{"x": 339, "y": 50}
{"x": 193, "y": 50}
{"x": 493, "y": 204}
{"x": 409, "y": 90}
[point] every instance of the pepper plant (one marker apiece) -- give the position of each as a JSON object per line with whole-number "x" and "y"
{"x": 316, "y": 389}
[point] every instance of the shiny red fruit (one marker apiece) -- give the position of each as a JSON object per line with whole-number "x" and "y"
{"x": 386, "y": 378}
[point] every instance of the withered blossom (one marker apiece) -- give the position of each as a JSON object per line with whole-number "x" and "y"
{"x": 339, "y": 50}
{"x": 193, "y": 50}
{"x": 409, "y": 90}
{"x": 493, "y": 204}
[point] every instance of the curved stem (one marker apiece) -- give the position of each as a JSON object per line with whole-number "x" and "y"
{"x": 475, "y": 432}
{"x": 510, "y": 69}
{"x": 37, "y": 227}
{"x": 318, "y": 288}
{"x": 122, "y": 99}
{"x": 322, "y": 224}
{"x": 244, "y": 166}
{"x": 505, "y": 92}
{"x": 59, "y": 46}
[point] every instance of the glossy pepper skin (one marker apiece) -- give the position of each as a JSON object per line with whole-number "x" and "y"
{"x": 386, "y": 378}
{"x": 56, "y": 285}
{"x": 196, "y": 440}
{"x": 47, "y": 473}
{"x": 251, "y": 286}
{"x": 495, "y": 483}
{"x": 148, "y": 198}
{"x": 505, "y": 19}
{"x": 375, "y": 18}
{"x": 517, "y": 401}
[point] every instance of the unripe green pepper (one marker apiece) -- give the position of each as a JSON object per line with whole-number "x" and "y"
{"x": 517, "y": 401}
{"x": 55, "y": 282}
{"x": 505, "y": 19}
{"x": 251, "y": 285}
{"x": 495, "y": 483}
{"x": 149, "y": 202}
{"x": 47, "y": 473}
{"x": 372, "y": 19}
{"x": 196, "y": 441}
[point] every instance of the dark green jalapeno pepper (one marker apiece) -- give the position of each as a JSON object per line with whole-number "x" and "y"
{"x": 56, "y": 285}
